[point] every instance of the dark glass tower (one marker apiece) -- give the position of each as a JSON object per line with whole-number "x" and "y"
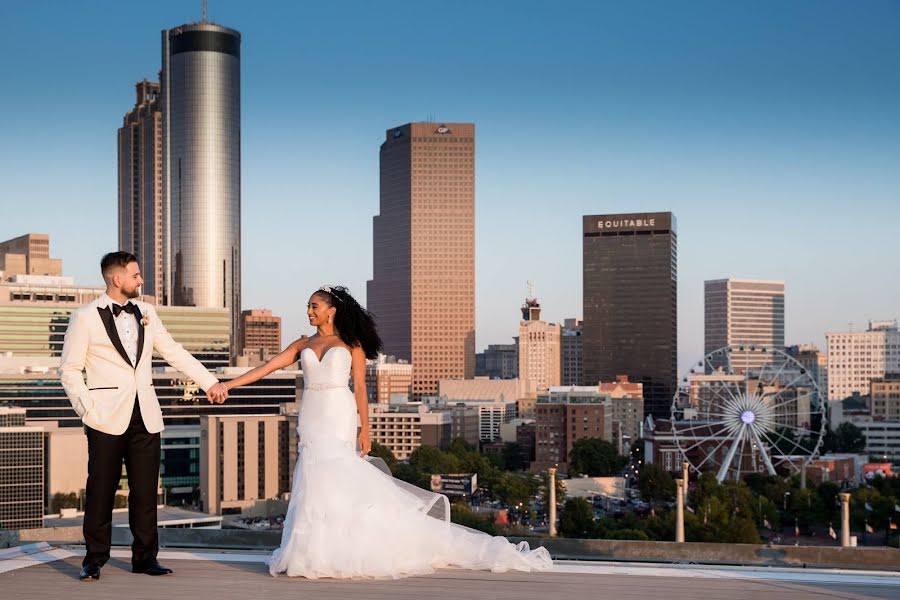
{"x": 630, "y": 303}
{"x": 200, "y": 88}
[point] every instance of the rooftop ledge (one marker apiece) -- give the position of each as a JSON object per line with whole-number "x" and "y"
{"x": 825, "y": 557}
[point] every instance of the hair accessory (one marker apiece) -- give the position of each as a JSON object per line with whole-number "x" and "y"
{"x": 329, "y": 291}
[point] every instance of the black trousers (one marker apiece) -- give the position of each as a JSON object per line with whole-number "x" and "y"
{"x": 140, "y": 451}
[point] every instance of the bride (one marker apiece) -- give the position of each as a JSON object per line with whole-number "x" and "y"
{"x": 347, "y": 517}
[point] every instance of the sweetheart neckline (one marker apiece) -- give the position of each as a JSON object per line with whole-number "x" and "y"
{"x": 324, "y": 354}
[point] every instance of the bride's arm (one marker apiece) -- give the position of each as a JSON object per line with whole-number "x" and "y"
{"x": 358, "y": 372}
{"x": 278, "y": 361}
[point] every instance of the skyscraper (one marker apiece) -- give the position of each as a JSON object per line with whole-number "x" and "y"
{"x": 140, "y": 185}
{"x": 630, "y": 303}
{"x": 743, "y": 312}
{"x": 422, "y": 292}
{"x": 200, "y": 91}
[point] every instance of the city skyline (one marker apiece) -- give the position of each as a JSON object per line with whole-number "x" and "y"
{"x": 757, "y": 135}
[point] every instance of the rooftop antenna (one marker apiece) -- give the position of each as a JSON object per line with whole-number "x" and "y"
{"x": 530, "y": 289}
{"x": 204, "y": 12}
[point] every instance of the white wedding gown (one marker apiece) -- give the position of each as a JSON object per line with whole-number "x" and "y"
{"x": 348, "y": 518}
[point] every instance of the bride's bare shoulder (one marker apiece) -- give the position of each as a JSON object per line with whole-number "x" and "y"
{"x": 300, "y": 343}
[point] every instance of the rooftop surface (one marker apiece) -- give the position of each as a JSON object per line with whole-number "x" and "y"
{"x": 41, "y": 570}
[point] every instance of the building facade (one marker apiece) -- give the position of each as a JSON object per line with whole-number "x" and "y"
{"x": 388, "y": 379}
{"x": 539, "y": 347}
{"x": 855, "y": 358}
{"x": 21, "y": 471}
{"x": 140, "y": 185}
{"x": 200, "y": 98}
{"x": 885, "y": 398}
{"x": 403, "y": 429}
{"x": 245, "y": 459}
{"x": 562, "y": 417}
{"x": 498, "y": 361}
{"x": 423, "y": 288}
{"x": 630, "y": 303}
{"x": 34, "y": 318}
{"x": 743, "y": 312}
{"x": 260, "y": 332}
{"x": 571, "y": 371}
{"x": 28, "y": 255}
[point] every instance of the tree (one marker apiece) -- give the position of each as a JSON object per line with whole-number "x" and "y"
{"x": 655, "y": 484}
{"x": 513, "y": 456}
{"x": 846, "y": 438}
{"x": 513, "y": 489}
{"x": 461, "y": 514}
{"x": 61, "y": 501}
{"x": 577, "y": 519}
{"x": 385, "y": 454}
{"x": 430, "y": 460}
{"x": 595, "y": 457}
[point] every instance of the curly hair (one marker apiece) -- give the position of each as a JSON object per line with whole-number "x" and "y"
{"x": 353, "y": 323}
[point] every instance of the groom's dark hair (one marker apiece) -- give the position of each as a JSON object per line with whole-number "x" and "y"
{"x": 112, "y": 260}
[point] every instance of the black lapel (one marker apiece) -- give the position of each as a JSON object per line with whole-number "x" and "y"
{"x": 107, "y": 316}
{"x": 139, "y": 316}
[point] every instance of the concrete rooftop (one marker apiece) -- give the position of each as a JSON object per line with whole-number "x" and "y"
{"x": 41, "y": 570}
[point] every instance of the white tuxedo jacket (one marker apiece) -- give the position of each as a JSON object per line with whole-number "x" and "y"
{"x": 105, "y": 402}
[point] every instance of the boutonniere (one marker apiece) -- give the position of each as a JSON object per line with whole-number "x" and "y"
{"x": 145, "y": 321}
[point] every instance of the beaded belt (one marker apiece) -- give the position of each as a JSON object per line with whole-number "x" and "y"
{"x": 324, "y": 386}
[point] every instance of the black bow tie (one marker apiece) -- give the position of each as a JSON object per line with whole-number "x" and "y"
{"x": 118, "y": 309}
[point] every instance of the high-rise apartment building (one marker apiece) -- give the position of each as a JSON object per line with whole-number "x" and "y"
{"x": 855, "y": 358}
{"x": 539, "y": 347}
{"x": 423, "y": 288}
{"x": 630, "y": 303}
{"x": 743, "y": 313}
{"x": 571, "y": 371}
{"x": 28, "y": 255}
{"x": 261, "y": 332}
{"x": 200, "y": 100}
{"x": 140, "y": 185}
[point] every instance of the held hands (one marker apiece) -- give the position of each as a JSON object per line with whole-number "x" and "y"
{"x": 364, "y": 442}
{"x": 217, "y": 393}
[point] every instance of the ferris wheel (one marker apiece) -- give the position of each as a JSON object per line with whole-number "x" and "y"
{"x": 748, "y": 409}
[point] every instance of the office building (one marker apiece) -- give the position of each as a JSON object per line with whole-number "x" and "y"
{"x": 28, "y": 255}
{"x": 245, "y": 459}
{"x": 855, "y": 358}
{"x": 21, "y": 471}
{"x": 260, "y": 332}
{"x": 539, "y": 347}
{"x": 498, "y": 361}
{"x": 140, "y": 185}
{"x": 630, "y": 303}
{"x": 200, "y": 101}
{"x": 423, "y": 288}
{"x": 571, "y": 371}
{"x": 743, "y": 313}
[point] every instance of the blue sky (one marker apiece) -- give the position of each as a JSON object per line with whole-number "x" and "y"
{"x": 771, "y": 130}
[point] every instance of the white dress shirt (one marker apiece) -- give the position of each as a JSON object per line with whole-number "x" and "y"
{"x": 127, "y": 328}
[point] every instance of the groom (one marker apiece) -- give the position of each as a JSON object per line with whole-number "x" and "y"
{"x": 112, "y": 340}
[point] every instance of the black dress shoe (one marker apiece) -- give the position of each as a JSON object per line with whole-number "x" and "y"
{"x": 90, "y": 573}
{"x": 151, "y": 568}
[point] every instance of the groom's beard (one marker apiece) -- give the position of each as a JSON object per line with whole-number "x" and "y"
{"x": 132, "y": 294}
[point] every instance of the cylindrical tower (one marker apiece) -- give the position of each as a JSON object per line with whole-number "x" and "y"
{"x": 201, "y": 105}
